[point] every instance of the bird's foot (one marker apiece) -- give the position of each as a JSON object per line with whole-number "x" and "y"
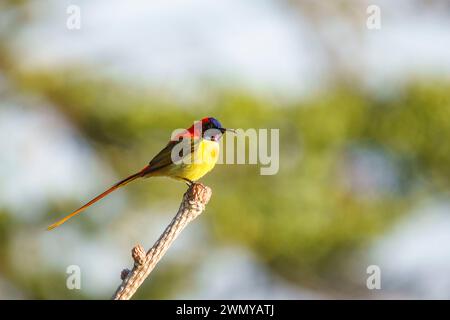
{"x": 190, "y": 183}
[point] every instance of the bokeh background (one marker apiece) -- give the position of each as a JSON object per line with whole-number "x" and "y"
{"x": 364, "y": 119}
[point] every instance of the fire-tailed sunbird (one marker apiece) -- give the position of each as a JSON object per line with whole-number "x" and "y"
{"x": 203, "y": 153}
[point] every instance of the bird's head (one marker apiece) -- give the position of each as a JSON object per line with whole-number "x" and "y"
{"x": 209, "y": 128}
{"x": 212, "y": 129}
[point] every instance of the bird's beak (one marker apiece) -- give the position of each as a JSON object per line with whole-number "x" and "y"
{"x": 223, "y": 130}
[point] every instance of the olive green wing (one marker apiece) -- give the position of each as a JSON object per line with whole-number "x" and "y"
{"x": 164, "y": 157}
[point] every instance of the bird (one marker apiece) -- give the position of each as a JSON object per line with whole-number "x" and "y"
{"x": 201, "y": 143}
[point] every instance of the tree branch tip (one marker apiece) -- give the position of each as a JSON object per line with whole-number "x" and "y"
{"x": 199, "y": 193}
{"x": 192, "y": 205}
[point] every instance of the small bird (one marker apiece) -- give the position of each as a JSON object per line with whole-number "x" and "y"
{"x": 200, "y": 140}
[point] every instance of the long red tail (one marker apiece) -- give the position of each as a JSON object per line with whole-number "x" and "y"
{"x": 99, "y": 197}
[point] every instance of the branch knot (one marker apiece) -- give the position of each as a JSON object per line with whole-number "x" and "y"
{"x": 138, "y": 254}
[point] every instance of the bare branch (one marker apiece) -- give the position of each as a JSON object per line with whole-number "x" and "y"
{"x": 192, "y": 205}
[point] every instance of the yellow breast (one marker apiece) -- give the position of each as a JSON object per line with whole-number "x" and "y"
{"x": 203, "y": 161}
